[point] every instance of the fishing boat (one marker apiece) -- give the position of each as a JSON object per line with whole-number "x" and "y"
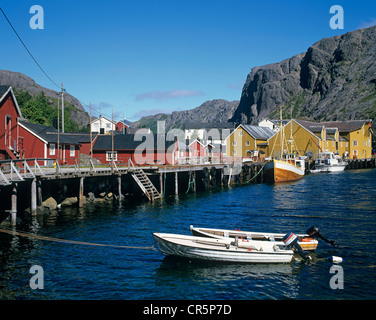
{"x": 222, "y": 249}
{"x": 304, "y": 240}
{"x": 327, "y": 161}
{"x": 287, "y": 166}
{"x": 284, "y": 170}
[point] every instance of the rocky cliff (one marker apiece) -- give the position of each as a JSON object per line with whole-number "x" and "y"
{"x": 210, "y": 111}
{"x": 19, "y": 81}
{"x": 334, "y": 80}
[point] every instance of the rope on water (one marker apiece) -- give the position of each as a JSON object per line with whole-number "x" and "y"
{"x": 43, "y": 238}
{"x": 190, "y": 181}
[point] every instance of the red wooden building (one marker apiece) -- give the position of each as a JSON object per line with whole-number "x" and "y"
{"x": 20, "y": 139}
{"x": 197, "y": 149}
{"x": 149, "y": 149}
{"x": 10, "y": 115}
{"x": 44, "y": 142}
{"x": 122, "y": 125}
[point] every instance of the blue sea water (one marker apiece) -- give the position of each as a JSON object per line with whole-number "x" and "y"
{"x": 341, "y": 205}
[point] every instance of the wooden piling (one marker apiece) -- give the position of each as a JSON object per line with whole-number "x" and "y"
{"x": 34, "y": 197}
{"x": 161, "y": 184}
{"x": 176, "y": 183}
{"x": 119, "y": 188}
{"x": 39, "y": 190}
{"x": 13, "y": 212}
{"x": 81, "y": 193}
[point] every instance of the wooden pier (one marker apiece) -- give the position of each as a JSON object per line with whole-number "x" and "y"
{"x": 25, "y": 184}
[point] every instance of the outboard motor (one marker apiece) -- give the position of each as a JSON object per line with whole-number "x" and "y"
{"x": 314, "y": 232}
{"x": 291, "y": 239}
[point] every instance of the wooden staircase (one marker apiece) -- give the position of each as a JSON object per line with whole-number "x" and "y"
{"x": 145, "y": 184}
{"x": 15, "y": 155}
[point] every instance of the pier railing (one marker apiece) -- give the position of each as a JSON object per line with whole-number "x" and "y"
{"x": 12, "y": 171}
{"x": 19, "y": 170}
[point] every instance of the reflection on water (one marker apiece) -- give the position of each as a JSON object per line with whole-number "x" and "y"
{"x": 341, "y": 205}
{"x": 240, "y": 279}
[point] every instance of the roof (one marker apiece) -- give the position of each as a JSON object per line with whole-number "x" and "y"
{"x": 125, "y": 122}
{"x": 314, "y": 127}
{"x": 346, "y": 126}
{"x": 94, "y": 119}
{"x": 50, "y": 134}
{"x": 342, "y": 126}
{"x": 262, "y": 133}
{"x": 331, "y": 130}
{"x": 4, "y": 90}
{"x": 129, "y": 142}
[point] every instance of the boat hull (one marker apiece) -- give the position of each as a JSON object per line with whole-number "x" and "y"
{"x": 221, "y": 251}
{"x": 306, "y": 243}
{"x": 282, "y": 171}
{"x": 332, "y": 168}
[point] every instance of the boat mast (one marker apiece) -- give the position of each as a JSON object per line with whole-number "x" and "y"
{"x": 282, "y": 133}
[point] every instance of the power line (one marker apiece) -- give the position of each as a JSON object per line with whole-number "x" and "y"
{"x": 19, "y": 38}
{"x": 31, "y": 55}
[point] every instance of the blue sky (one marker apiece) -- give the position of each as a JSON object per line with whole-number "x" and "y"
{"x": 144, "y": 57}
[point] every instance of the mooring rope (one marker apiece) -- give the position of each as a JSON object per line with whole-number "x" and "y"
{"x": 255, "y": 176}
{"x": 43, "y": 238}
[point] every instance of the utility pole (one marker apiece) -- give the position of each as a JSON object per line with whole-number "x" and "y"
{"x": 91, "y": 138}
{"x": 112, "y": 141}
{"x": 123, "y": 124}
{"x": 62, "y": 108}
{"x": 58, "y": 133}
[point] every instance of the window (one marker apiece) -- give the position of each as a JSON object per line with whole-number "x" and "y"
{"x": 240, "y": 133}
{"x": 355, "y": 143}
{"x": 72, "y": 151}
{"x": 247, "y": 143}
{"x": 234, "y": 143}
{"x": 234, "y": 152}
{"x": 52, "y": 149}
{"x": 347, "y": 144}
{"x": 109, "y": 155}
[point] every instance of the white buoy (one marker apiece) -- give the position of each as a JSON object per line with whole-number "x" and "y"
{"x": 335, "y": 259}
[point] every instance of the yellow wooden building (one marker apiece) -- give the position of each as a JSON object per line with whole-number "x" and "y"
{"x": 355, "y": 137}
{"x": 248, "y": 141}
{"x": 346, "y": 138}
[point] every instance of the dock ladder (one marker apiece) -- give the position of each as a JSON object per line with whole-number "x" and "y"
{"x": 145, "y": 184}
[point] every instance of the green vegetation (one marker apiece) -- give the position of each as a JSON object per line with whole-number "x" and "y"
{"x": 296, "y": 103}
{"x": 42, "y": 110}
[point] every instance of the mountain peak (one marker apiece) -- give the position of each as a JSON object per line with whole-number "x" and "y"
{"x": 334, "y": 80}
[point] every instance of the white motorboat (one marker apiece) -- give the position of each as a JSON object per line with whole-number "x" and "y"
{"x": 328, "y": 162}
{"x": 223, "y": 249}
{"x": 305, "y": 241}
